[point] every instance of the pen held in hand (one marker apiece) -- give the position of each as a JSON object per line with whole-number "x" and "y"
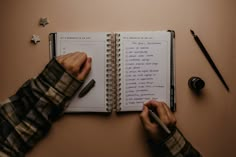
{"x": 87, "y": 88}
{"x": 157, "y": 119}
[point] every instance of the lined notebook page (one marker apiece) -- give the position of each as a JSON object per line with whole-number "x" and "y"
{"x": 145, "y": 68}
{"x": 94, "y": 44}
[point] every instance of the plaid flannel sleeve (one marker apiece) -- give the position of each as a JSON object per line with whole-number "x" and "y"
{"x": 174, "y": 146}
{"x": 27, "y": 116}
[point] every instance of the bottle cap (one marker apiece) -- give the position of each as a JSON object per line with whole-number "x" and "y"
{"x": 196, "y": 83}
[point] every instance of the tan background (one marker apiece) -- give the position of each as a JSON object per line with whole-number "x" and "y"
{"x": 208, "y": 121}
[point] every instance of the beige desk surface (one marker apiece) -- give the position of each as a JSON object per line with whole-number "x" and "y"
{"x": 208, "y": 121}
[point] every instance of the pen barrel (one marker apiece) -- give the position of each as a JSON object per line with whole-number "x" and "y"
{"x": 87, "y": 88}
{"x": 203, "y": 49}
{"x": 157, "y": 119}
{"x": 201, "y": 46}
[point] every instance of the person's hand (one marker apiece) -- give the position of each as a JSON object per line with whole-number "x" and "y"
{"x": 154, "y": 131}
{"x": 77, "y": 64}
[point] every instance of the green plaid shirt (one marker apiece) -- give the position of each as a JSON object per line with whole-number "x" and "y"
{"x": 26, "y": 117}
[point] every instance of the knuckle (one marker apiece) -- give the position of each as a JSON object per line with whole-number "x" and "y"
{"x": 163, "y": 104}
{"x": 83, "y": 54}
{"x": 141, "y": 115}
{"x": 74, "y": 69}
{"x": 160, "y": 105}
{"x": 166, "y": 120}
{"x": 67, "y": 65}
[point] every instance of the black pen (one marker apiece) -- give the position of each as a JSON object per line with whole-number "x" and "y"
{"x": 87, "y": 88}
{"x": 204, "y": 51}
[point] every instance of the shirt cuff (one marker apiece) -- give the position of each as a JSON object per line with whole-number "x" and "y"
{"x": 170, "y": 146}
{"x": 175, "y": 143}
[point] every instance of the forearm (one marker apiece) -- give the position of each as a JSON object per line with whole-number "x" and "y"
{"x": 27, "y": 116}
{"x": 174, "y": 146}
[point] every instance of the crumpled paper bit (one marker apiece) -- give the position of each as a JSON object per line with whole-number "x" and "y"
{"x": 43, "y": 21}
{"x": 35, "y": 39}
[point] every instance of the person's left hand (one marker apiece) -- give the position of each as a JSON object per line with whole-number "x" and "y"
{"x": 77, "y": 64}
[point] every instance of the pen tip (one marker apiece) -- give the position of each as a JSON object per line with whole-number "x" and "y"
{"x": 192, "y": 32}
{"x": 228, "y": 89}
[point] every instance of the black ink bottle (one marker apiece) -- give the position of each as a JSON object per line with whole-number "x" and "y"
{"x": 196, "y": 83}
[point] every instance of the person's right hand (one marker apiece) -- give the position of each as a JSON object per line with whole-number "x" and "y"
{"x": 77, "y": 64}
{"x": 154, "y": 131}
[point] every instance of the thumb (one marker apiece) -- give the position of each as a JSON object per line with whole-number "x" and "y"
{"x": 85, "y": 69}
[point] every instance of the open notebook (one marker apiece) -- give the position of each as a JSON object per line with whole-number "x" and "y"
{"x": 129, "y": 68}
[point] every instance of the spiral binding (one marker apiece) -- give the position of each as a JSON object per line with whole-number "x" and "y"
{"x": 110, "y": 72}
{"x": 118, "y": 73}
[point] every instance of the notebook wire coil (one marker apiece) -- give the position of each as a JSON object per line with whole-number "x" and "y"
{"x": 110, "y": 73}
{"x": 118, "y": 74}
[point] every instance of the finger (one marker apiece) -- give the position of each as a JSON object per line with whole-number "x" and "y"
{"x": 73, "y": 62}
{"x": 66, "y": 61}
{"x": 61, "y": 58}
{"x": 144, "y": 116}
{"x": 76, "y": 62}
{"x": 150, "y": 104}
{"x": 157, "y": 105}
{"x": 76, "y": 59}
{"x": 170, "y": 115}
{"x": 85, "y": 69}
{"x": 160, "y": 110}
{"x": 79, "y": 58}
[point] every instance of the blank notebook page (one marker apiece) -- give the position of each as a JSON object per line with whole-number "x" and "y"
{"x": 94, "y": 44}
